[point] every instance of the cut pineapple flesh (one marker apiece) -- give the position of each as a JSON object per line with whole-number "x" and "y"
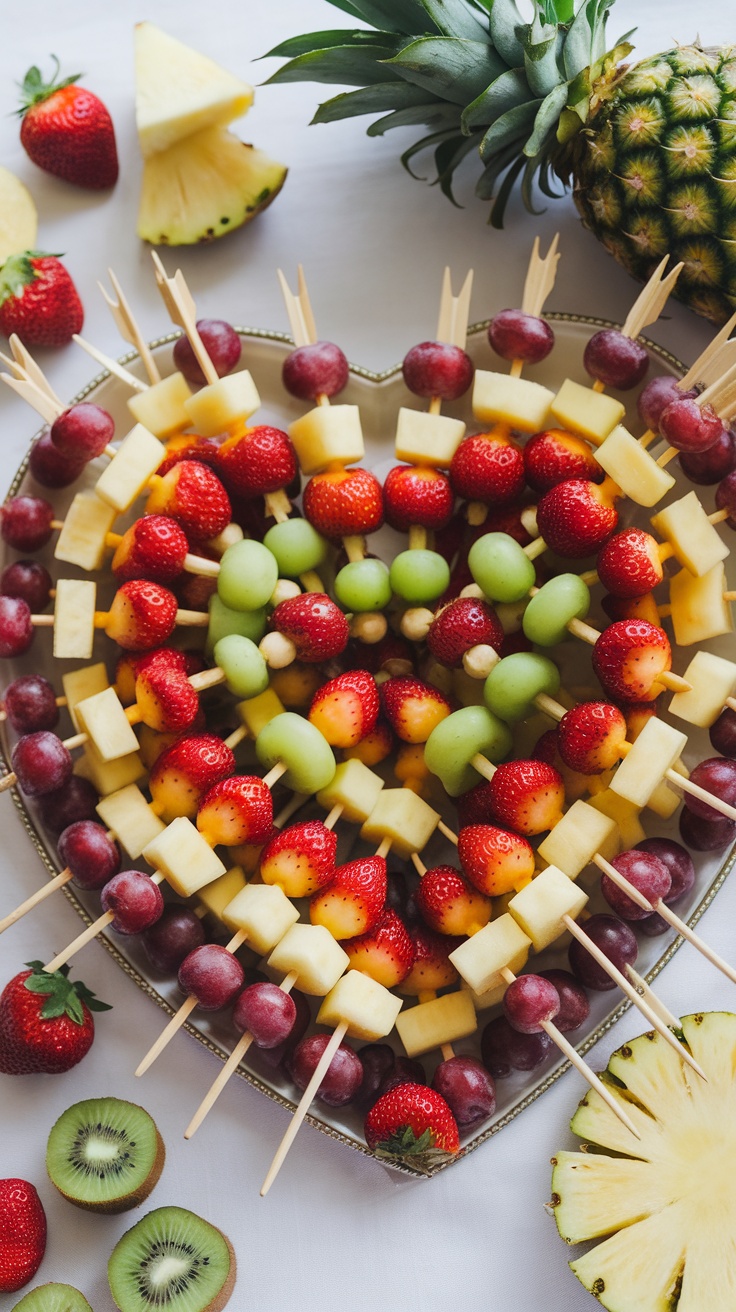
{"x": 645, "y": 765}
{"x": 499, "y": 398}
{"x": 74, "y": 619}
{"x": 313, "y": 955}
{"x": 713, "y": 681}
{"x": 353, "y": 787}
{"x": 18, "y": 217}
{"x": 630, "y": 465}
{"x": 589, "y": 414}
{"x": 214, "y": 897}
{"x": 182, "y": 855}
{"x": 103, "y": 718}
{"x": 83, "y": 539}
{"x": 625, "y": 816}
{"x": 694, "y": 540}
{"x": 83, "y": 683}
{"x": 109, "y": 776}
{"x": 699, "y": 609}
{"x": 430, "y": 1024}
{"x": 262, "y": 912}
{"x": 667, "y": 1201}
{"x": 481, "y": 958}
{"x": 257, "y": 712}
{"x": 160, "y": 408}
{"x": 540, "y": 908}
{"x": 327, "y": 435}
{"x": 367, "y": 1008}
{"x": 426, "y": 439}
{"x": 577, "y": 837}
{"x": 402, "y": 816}
{"x": 224, "y": 405}
{"x": 129, "y": 816}
{"x": 135, "y": 461}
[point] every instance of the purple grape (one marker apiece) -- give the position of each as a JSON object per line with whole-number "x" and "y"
{"x": 574, "y": 1005}
{"x": 50, "y": 468}
{"x": 278, "y": 1056}
{"x": 515, "y": 335}
{"x": 30, "y": 704}
{"x": 615, "y": 360}
{"x": 76, "y": 800}
{"x": 16, "y": 629}
{"x": 713, "y": 464}
{"x": 646, "y": 873}
{"x": 706, "y": 835}
{"x": 267, "y": 1012}
{"x": 378, "y": 1061}
{"x": 723, "y": 733}
{"x": 221, "y": 343}
{"x": 438, "y": 369}
{"x": 615, "y": 940}
{"x": 726, "y": 497}
{"x": 319, "y": 369}
{"x": 86, "y": 850}
{"x": 405, "y": 1070}
{"x": 530, "y": 1001}
{"x": 690, "y": 427}
{"x": 504, "y": 1049}
{"x": 344, "y": 1074}
{"x": 41, "y": 762}
{"x": 213, "y": 975}
{"x": 25, "y": 523}
{"x": 678, "y": 862}
{"x": 134, "y": 900}
{"x": 654, "y": 398}
{"x": 717, "y": 775}
{"x": 82, "y": 432}
{"x": 176, "y": 933}
{"x": 467, "y": 1088}
{"x": 30, "y": 581}
{"x": 653, "y": 926}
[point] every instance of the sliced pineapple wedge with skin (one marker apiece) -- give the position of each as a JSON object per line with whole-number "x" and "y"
{"x": 668, "y": 1200}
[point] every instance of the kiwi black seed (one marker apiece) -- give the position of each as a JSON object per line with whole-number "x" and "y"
{"x": 105, "y": 1154}
{"x": 172, "y": 1261}
{"x": 53, "y": 1298}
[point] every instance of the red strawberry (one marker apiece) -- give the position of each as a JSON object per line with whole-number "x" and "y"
{"x": 188, "y": 447}
{"x": 192, "y": 494}
{"x": 141, "y": 615}
{"x": 554, "y": 456}
{"x": 22, "y": 1234}
{"x": 346, "y": 708}
{"x": 413, "y": 708}
{"x": 67, "y": 131}
{"x": 259, "y": 461}
{"x": 315, "y": 625}
{"x": 236, "y": 810}
{"x": 449, "y": 904}
{"x": 45, "y": 1022}
{"x": 183, "y": 773}
{"x": 414, "y": 1125}
{"x": 488, "y": 467}
{"x": 344, "y": 502}
{"x": 527, "y": 796}
{"x": 394, "y": 654}
{"x": 166, "y": 699}
{"x": 432, "y": 968}
{"x": 590, "y": 737}
{"x": 154, "y": 547}
{"x": 577, "y": 785}
{"x": 38, "y": 300}
{"x": 629, "y": 564}
{"x": 576, "y": 517}
{"x": 386, "y": 952}
{"x": 417, "y": 494}
{"x": 352, "y": 903}
{"x": 300, "y": 859}
{"x": 134, "y": 663}
{"x": 629, "y": 656}
{"x": 494, "y": 860}
{"x": 463, "y": 624}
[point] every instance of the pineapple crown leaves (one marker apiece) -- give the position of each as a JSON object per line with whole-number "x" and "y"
{"x": 63, "y": 998}
{"x": 475, "y": 74}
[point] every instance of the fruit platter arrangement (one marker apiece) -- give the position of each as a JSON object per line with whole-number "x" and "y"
{"x": 382, "y": 775}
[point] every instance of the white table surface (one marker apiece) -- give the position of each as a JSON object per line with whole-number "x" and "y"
{"x": 337, "y": 1231}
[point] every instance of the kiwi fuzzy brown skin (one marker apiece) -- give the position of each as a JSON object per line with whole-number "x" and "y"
{"x": 134, "y": 1197}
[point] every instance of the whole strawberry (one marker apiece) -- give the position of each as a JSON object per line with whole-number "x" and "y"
{"x": 414, "y": 1125}
{"x": 46, "y": 1022}
{"x": 22, "y": 1234}
{"x": 38, "y": 300}
{"x": 67, "y": 130}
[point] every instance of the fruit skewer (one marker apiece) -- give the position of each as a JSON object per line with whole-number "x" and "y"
{"x": 92, "y": 858}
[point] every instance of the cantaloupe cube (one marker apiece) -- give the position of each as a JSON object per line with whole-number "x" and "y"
{"x": 479, "y": 959}
{"x": 215, "y": 897}
{"x": 74, "y": 619}
{"x": 699, "y": 610}
{"x": 430, "y": 1024}
{"x": 182, "y": 855}
{"x": 355, "y": 788}
{"x": 109, "y": 776}
{"x": 713, "y": 681}
{"x": 224, "y": 405}
{"x": 368, "y": 1008}
{"x": 694, "y": 539}
{"x": 137, "y": 458}
{"x": 402, "y": 816}
{"x": 655, "y": 751}
{"x": 263, "y": 912}
{"x": 161, "y": 407}
{"x": 540, "y": 908}
{"x": 258, "y": 711}
{"x": 624, "y": 815}
{"x": 83, "y": 539}
{"x": 83, "y": 683}
{"x": 666, "y": 797}
{"x": 131, "y": 819}
{"x": 590, "y": 414}
{"x": 426, "y": 439}
{"x": 326, "y": 435}
{"x": 483, "y": 1001}
{"x": 499, "y": 398}
{"x": 315, "y": 956}
{"x": 103, "y": 718}
{"x": 630, "y": 465}
{"x": 577, "y": 837}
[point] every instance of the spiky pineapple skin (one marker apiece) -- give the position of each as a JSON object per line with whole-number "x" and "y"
{"x": 654, "y": 172}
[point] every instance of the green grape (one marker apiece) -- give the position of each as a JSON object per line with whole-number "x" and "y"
{"x": 248, "y": 574}
{"x": 292, "y": 739}
{"x": 246, "y": 672}
{"x": 500, "y": 567}
{"x": 223, "y": 621}
{"x": 515, "y": 681}
{"x": 419, "y": 576}
{"x": 363, "y": 585}
{"x": 548, "y": 614}
{"x": 297, "y": 547}
{"x": 454, "y": 742}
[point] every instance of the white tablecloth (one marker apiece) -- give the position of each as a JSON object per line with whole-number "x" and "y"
{"x": 337, "y": 1231}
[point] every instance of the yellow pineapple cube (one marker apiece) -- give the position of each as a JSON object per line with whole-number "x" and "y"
{"x": 224, "y": 405}
{"x": 666, "y": 798}
{"x": 103, "y": 718}
{"x": 109, "y": 776}
{"x": 430, "y": 1024}
{"x": 136, "y": 459}
{"x": 314, "y": 955}
{"x": 326, "y": 435}
{"x": 368, "y": 1009}
{"x": 402, "y": 816}
{"x": 577, "y": 837}
{"x": 74, "y": 619}
{"x": 182, "y": 855}
{"x": 258, "y": 711}
{"x": 694, "y": 539}
{"x": 624, "y": 815}
{"x": 426, "y": 439}
{"x": 214, "y": 897}
{"x": 499, "y": 398}
{"x": 83, "y": 539}
{"x": 483, "y": 1001}
{"x": 590, "y": 414}
{"x": 655, "y": 751}
{"x": 83, "y": 683}
{"x": 263, "y": 912}
{"x": 355, "y": 788}
{"x": 541, "y": 907}
{"x": 630, "y": 465}
{"x": 161, "y": 407}
{"x": 713, "y": 681}
{"x": 131, "y": 819}
{"x": 480, "y": 959}
{"x": 699, "y": 609}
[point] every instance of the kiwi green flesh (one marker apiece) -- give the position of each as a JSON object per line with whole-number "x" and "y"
{"x": 172, "y": 1261}
{"x": 53, "y": 1298}
{"x": 105, "y": 1155}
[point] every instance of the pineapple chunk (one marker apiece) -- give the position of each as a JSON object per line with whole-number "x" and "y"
{"x": 131, "y": 819}
{"x": 182, "y": 855}
{"x": 655, "y": 751}
{"x": 426, "y": 439}
{"x": 74, "y": 619}
{"x": 713, "y": 681}
{"x": 577, "y": 837}
{"x": 109, "y": 776}
{"x": 515, "y": 401}
{"x": 430, "y": 1024}
{"x": 258, "y": 711}
{"x": 368, "y": 1009}
{"x": 82, "y": 683}
{"x": 402, "y": 816}
{"x": 313, "y": 954}
{"x": 484, "y": 1001}
{"x": 135, "y": 461}
{"x": 83, "y": 539}
{"x": 624, "y": 815}
{"x": 480, "y": 959}
{"x": 540, "y": 908}
{"x": 355, "y": 788}
{"x": 685, "y": 525}
{"x": 223, "y": 405}
{"x": 160, "y": 408}
{"x": 214, "y": 897}
{"x": 630, "y": 465}
{"x": 590, "y": 414}
{"x": 326, "y": 435}
{"x": 699, "y": 609}
{"x": 18, "y": 217}
{"x": 263, "y": 912}
{"x": 665, "y": 799}
{"x": 103, "y": 718}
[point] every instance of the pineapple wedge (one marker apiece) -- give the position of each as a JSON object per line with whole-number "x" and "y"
{"x": 18, "y": 217}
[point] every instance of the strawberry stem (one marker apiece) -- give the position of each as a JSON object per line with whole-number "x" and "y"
{"x": 34, "y": 90}
{"x": 64, "y": 997}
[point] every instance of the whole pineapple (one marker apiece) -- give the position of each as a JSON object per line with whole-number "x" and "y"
{"x": 650, "y": 150}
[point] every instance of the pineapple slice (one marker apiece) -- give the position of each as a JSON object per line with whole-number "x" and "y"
{"x": 368, "y": 1009}
{"x": 327, "y": 435}
{"x": 214, "y": 897}
{"x": 577, "y": 837}
{"x": 83, "y": 539}
{"x": 695, "y": 542}
{"x": 589, "y": 414}
{"x": 83, "y": 683}
{"x": 484, "y": 1001}
{"x": 480, "y": 959}
{"x": 160, "y": 408}
{"x": 109, "y": 776}
{"x": 699, "y": 609}
{"x": 630, "y": 465}
{"x": 353, "y": 787}
{"x": 315, "y": 956}
{"x": 184, "y": 857}
{"x": 665, "y": 799}
{"x": 402, "y": 816}
{"x": 644, "y": 767}
{"x": 203, "y": 187}
{"x": 224, "y": 405}
{"x": 540, "y": 908}
{"x": 713, "y": 681}
{"x": 499, "y": 398}
{"x": 131, "y": 819}
{"x": 426, "y": 439}
{"x": 263, "y": 912}
{"x": 74, "y": 619}
{"x": 430, "y": 1024}
{"x": 257, "y": 712}
{"x": 625, "y": 816}
{"x": 135, "y": 461}
{"x": 102, "y": 717}
{"x": 18, "y": 217}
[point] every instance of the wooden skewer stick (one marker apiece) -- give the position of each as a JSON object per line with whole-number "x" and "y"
{"x": 88, "y": 934}
{"x": 655, "y": 1003}
{"x": 652, "y": 299}
{"x": 295, "y": 309}
{"x": 113, "y": 366}
{"x": 180, "y": 305}
{"x": 24, "y": 366}
{"x": 32, "y": 395}
{"x": 35, "y": 899}
{"x": 452, "y": 323}
{"x": 540, "y": 277}
{"x": 128, "y": 327}
{"x": 307, "y": 1098}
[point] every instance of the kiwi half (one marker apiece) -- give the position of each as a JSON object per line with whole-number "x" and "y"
{"x": 105, "y": 1155}
{"x": 173, "y": 1261}
{"x": 53, "y": 1298}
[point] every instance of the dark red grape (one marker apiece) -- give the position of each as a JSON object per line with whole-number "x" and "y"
{"x": 378, "y": 1061}
{"x": 221, "y": 343}
{"x": 438, "y": 369}
{"x": 654, "y": 398}
{"x": 92, "y": 857}
{"x": 25, "y": 523}
{"x": 275, "y": 1057}
{"x": 467, "y": 1088}
{"x": 30, "y": 581}
{"x": 726, "y": 497}
{"x": 50, "y": 468}
{"x": 690, "y": 427}
{"x": 678, "y": 862}
{"x": 213, "y": 975}
{"x": 405, "y": 1070}
{"x": 82, "y": 432}
{"x": 653, "y": 926}
{"x": 616, "y": 941}
{"x": 723, "y": 733}
{"x": 344, "y": 1074}
{"x": 574, "y": 1005}
{"x": 529, "y": 1001}
{"x": 76, "y": 800}
{"x": 176, "y": 933}
{"x": 515, "y": 335}
{"x": 267, "y": 1012}
{"x": 504, "y": 1049}
{"x": 319, "y": 369}
{"x": 134, "y": 900}
{"x": 706, "y": 835}
{"x": 710, "y": 466}
{"x": 16, "y": 629}
{"x": 41, "y": 762}
{"x": 717, "y": 775}
{"x": 615, "y": 360}
{"x": 30, "y": 704}
{"x": 646, "y": 873}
